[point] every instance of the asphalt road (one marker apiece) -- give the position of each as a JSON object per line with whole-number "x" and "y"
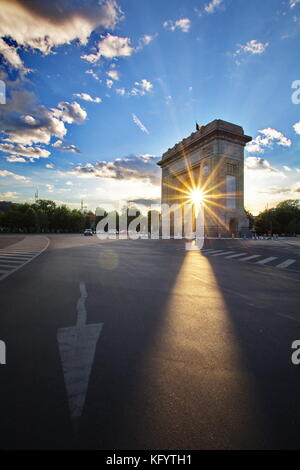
{"x": 170, "y": 349}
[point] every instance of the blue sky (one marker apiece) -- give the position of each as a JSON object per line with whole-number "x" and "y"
{"x": 97, "y": 91}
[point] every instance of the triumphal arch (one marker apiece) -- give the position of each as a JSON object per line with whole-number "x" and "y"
{"x": 211, "y": 162}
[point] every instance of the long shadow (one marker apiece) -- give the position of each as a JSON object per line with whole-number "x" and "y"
{"x": 262, "y": 307}
{"x": 130, "y": 298}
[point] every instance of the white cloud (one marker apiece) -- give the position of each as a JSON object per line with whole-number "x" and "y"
{"x": 70, "y": 112}
{"x": 26, "y": 123}
{"x": 267, "y": 139}
{"x": 109, "y": 82}
{"x": 93, "y": 74}
{"x": 49, "y": 165}
{"x": 146, "y": 39}
{"x": 146, "y": 85}
{"x": 87, "y": 97}
{"x": 14, "y": 159}
{"x": 294, "y": 189}
{"x": 183, "y": 24}
{"x": 13, "y": 175}
{"x": 141, "y": 88}
{"x": 45, "y": 25}
{"x": 69, "y": 183}
{"x": 142, "y": 167}
{"x": 9, "y": 195}
{"x": 297, "y": 127}
{"x": 24, "y": 151}
{"x": 113, "y": 74}
{"x": 121, "y": 91}
{"x": 65, "y": 148}
{"x": 253, "y": 46}
{"x": 256, "y": 163}
{"x": 109, "y": 47}
{"x": 11, "y": 55}
{"x": 139, "y": 124}
{"x": 212, "y": 6}
{"x": 293, "y": 3}
{"x": 50, "y": 188}
{"x": 286, "y": 168}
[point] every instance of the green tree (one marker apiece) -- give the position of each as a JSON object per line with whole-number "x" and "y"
{"x": 251, "y": 218}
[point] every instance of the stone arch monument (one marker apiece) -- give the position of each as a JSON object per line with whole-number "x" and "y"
{"x": 213, "y": 157}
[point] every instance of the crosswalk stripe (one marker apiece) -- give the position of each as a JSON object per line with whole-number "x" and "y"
{"x": 11, "y": 260}
{"x": 248, "y": 258}
{"x": 286, "y": 263}
{"x": 19, "y": 255}
{"x": 266, "y": 260}
{"x": 215, "y": 251}
{"x": 235, "y": 256}
{"x": 17, "y": 252}
{"x": 6, "y": 266}
{"x": 15, "y": 258}
{"x": 223, "y": 253}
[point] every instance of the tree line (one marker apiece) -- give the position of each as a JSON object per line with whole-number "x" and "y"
{"x": 46, "y": 216}
{"x": 282, "y": 219}
{"x": 42, "y": 216}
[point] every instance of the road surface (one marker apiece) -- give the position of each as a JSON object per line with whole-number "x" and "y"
{"x": 141, "y": 344}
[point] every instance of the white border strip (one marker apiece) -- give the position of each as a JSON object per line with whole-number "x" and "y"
{"x": 26, "y": 262}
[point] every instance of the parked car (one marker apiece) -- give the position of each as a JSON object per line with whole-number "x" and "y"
{"x": 88, "y": 232}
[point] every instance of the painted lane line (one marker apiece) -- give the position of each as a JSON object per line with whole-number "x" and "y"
{"x": 77, "y": 346}
{"x": 223, "y": 254}
{"x": 235, "y": 256}
{"x": 266, "y": 260}
{"x": 286, "y": 263}
{"x": 19, "y": 266}
{"x": 248, "y": 258}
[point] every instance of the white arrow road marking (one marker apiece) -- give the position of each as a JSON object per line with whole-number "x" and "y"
{"x": 77, "y": 345}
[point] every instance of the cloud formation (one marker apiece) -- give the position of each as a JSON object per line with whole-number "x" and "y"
{"x": 212, "y": 6}
{"x": 297, "y": 127}
{"x": 183, "y": 24}
{"x": 139, "y": 124}
{"x": 11, "y": 55}
{"x": 24, "y": 151}
{"x": 46, "y": 25}
{"x": 109, "y": 47}
{"x": 141, "y": 167}
{"x": 266, "y": 140}
{"x": 256, "y": 163}
{"x": 70, "y": 112}
{"x": 11, "y": 174}
{"x": 87, "y": 97}
{"x": 65, "y": 148}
